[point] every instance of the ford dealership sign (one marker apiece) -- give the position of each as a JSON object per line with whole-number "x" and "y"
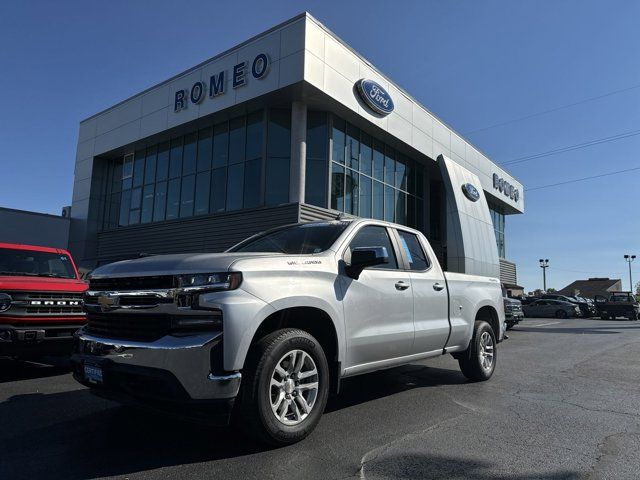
{"x": 505, "y": 188}
{"x": 376, "y": 97}
{"x": 258, "y": 69}
{"x": 471, "y": 192}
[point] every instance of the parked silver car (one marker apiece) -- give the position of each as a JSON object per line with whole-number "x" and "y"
{"x": 551, "y": 308}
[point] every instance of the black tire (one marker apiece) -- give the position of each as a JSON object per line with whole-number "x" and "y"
{"x": 255, "y": 411}
{"x": 561, "y": 314}
{"x": 470, "y": 362}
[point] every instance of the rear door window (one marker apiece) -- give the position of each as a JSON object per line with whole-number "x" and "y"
{"x": 414, "y": 252}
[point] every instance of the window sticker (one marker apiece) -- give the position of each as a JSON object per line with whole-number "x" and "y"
{"x": 406, "y": 249}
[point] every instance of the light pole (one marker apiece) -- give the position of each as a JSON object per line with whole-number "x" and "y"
{"x": 544, "y": 264}
{"x": 629, "y": 259}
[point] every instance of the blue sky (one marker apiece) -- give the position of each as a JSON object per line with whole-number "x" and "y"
{"x": 473, "y": 64}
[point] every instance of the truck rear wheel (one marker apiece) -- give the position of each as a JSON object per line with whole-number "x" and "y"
{"x": 285, "y": 387}
{"x": 479, "y": 361}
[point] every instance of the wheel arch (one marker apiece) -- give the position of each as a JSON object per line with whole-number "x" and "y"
{"x": 313, "y": 320}
{"x": 490, "y": 315}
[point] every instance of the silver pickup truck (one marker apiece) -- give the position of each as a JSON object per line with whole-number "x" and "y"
{"x": 263, "y": 333}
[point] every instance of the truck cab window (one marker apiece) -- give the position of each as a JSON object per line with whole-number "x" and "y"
{"x": 373, "y": 236}
{"x": 413, "y": 250}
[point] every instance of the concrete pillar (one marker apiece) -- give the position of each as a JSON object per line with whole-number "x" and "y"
{"x": 298, "y": 151}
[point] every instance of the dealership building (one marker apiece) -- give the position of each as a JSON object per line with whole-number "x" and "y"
{"x": 291, "y": 125}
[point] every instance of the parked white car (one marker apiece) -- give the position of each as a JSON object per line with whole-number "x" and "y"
{"x": 266, "y": 330}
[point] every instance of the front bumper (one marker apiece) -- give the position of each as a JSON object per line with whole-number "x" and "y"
{"x": 513, "y": 316}
{"x": 37, "y": 339}
{"x": 173, "y": 369}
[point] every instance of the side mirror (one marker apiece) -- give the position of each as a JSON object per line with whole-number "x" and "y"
{"x": 364, "y": 257}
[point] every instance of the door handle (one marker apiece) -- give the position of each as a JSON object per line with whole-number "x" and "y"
{"x": 401, "y": 285}
{"x": 437, "y": 287}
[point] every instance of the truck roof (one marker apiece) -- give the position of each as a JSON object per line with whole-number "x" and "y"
{"x": 35, "y": 248}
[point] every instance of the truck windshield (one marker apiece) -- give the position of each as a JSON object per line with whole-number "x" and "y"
{"x": 33, "y": 263}
{"x": 624, "y": 297}
{"x": 301, "y": 239}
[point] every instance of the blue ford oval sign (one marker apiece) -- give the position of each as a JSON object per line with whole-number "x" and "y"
{"x": 376, "y": 97}
{"x": 471, "y": 192}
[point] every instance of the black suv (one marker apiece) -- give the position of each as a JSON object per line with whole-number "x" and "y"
{"x": 513, "y": 312}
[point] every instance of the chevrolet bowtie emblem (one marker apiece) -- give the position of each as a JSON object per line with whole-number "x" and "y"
{"x": 108, "y": 301}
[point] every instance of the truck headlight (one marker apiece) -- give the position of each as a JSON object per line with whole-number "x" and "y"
{"x": 5, "y": 302}
{"x": 209, "y": 281}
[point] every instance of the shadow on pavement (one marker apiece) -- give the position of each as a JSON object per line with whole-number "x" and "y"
{"x": 74, "y": 435}
{"x": 15, "y": 370}
{"x": 577, "y": 329}
{"x": 413, "y": 466}
{"x": 97, "y": 438}
{"x": 364, "y": 388}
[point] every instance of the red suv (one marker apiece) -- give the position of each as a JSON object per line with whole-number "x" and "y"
{"x": 40, "y": 301}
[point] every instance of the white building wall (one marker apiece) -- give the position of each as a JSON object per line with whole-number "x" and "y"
{"x": 152, "y": 111}
{"x": 333, "y": 67}
{"x": 471, "y": 241}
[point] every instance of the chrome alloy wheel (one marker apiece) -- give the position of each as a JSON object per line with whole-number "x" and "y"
{"x": 294, "y": 387}
{"x": 486, "y": 351}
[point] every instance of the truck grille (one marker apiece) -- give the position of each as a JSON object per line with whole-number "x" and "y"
{"x": 145, "y": 328}
{"x": 34, "y": 304}
{"x": 132, "y": 283}
{"x": 141, "y": 327}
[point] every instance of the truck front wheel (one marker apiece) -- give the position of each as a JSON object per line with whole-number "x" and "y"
{"x": 285, "y": 387}
{"x": 479, "y": 361}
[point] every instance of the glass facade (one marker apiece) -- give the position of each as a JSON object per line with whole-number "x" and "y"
{"x": 244, "y": 162}
{"x": 497, "y": 216}
{"x": 367, "y": 177}
{"x": 235, "y": 164}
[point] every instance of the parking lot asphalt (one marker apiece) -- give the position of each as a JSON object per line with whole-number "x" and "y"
{"x": 563, "y": 403}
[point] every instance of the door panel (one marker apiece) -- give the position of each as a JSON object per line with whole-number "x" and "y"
{"x": 378, "y": 307}
{"x": 378, "y": 316}
{"x": 430, "y": 300}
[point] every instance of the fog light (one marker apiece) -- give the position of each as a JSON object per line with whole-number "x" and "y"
{"x": 5, "y": 335}
{"x": 186, "y": 324}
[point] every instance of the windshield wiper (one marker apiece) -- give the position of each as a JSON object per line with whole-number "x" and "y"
{"x": 51, "y": 275}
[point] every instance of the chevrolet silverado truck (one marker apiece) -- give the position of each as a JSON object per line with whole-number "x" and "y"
{"x": 263, "y": 333}
{"x": 40, "y": 301}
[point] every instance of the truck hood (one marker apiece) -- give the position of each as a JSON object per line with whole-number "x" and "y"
{"x": 174, "y": 264}
{"x": 512, "y": 301}
{"x": 40, "y": 284}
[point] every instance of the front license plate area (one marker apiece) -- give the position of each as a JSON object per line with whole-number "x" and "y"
{"x": 92, "y": 373}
